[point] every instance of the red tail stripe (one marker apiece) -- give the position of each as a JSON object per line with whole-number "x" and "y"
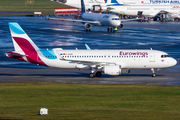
{"x": 29, "y": 50}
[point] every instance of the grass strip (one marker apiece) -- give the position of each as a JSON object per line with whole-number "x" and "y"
{"x": 44, "y": 6}
{"x": 89, "y": 101}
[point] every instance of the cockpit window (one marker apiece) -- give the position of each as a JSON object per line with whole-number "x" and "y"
{"x": 115, "y": 19}
{"x": 164, "y": 56}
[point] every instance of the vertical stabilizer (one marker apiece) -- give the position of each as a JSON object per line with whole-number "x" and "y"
{"x": 21, "y": 40}
{"x": 112, "y": 3}
{"x": 83, "y": 6}
{"x": 25, "y": 49}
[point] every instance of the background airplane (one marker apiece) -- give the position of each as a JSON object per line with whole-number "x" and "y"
{"x": 88, "y": 19}
{"x": 161, "y": 9}
{"x": 112, "y": 62}
{"x": 102, "y": 4}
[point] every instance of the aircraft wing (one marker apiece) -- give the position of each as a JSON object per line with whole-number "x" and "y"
{"x": 75, "y": 20}
{"x": 126, "y": 20}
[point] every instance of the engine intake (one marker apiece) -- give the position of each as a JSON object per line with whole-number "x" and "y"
{"x": 87, "y": 26}
{"x": 121, "y": 26}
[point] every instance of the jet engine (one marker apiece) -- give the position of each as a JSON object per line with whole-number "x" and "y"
{"x": 121, "y": 26}
{"x": 87, "y": 26}
{"x": 112, "y": 70}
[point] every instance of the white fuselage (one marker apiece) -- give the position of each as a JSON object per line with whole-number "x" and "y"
{"x": 102, "y": 19}
{"x": 89, "y": 3}
{"x": 147, "y": 7}
{"x": 124, "y": 58}
{"x": 147, "y": 10}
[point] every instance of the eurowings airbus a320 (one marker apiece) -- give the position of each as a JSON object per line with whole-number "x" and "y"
{"x": 112, "y": 62}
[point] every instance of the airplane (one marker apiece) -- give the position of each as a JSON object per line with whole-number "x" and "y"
{"x": 89, "y": 4}
{"x": 101, "y": 4}
{"x": 154, "y": 10}
{"x": 112, "y": 62}
{"x": 160, "y": 9}
{"x": 88, "y": 19}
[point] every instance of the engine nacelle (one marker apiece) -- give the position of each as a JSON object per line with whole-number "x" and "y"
{"x": 112, "y": 70}
{"x": 121, "y": 26}
{"x": 87, "y": 26}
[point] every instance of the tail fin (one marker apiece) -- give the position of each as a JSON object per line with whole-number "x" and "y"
{"x": 21, "y": 40}
{"x": 25, "y": 49}
{"x": 112, "y": 3}
{"x": 83, "y": 6}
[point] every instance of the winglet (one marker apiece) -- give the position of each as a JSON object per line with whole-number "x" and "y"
{"x": 87, "y": 47}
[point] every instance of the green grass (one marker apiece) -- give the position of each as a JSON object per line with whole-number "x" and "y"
{"x": 89, "y": 101}
{"x": 44, "y": 6}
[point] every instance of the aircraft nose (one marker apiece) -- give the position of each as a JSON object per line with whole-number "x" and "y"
{"x": 174, "y": 62}
{"x": 117, "y": 23}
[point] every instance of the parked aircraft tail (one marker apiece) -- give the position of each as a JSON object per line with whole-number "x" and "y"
{"x": 112, "y": 2}
{"x": 83, "y": 6}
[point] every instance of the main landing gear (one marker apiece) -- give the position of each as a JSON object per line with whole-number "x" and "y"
{"x": 88, "y": 30}
{"x": 98, "y": 74}
{"x": 153, "y": 72}
{"x": 94, "y": 73}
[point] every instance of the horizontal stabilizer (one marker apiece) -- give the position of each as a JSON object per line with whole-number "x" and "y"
{"x": 14, "y": 54}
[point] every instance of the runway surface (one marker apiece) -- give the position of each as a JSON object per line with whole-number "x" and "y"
{"x": 164, "y": 76}
{"x": 68, "y": 35}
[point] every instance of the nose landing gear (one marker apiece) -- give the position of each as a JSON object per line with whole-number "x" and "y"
{"x": 110, "y": 29}
{"x": 153, "y": 72}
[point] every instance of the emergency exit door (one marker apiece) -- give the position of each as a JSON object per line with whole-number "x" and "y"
{"x": 152, "y": 57}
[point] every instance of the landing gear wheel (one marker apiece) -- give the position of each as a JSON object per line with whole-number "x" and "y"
{"x": 98, "y": 74}
{"x": 88, "y": 30}
{"x": 109, "y": 29}
{"x": 153, "y": 75}
{"x": 91, "y": 75}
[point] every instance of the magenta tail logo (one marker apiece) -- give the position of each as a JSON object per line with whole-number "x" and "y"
{"x": 25, "y": 44}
